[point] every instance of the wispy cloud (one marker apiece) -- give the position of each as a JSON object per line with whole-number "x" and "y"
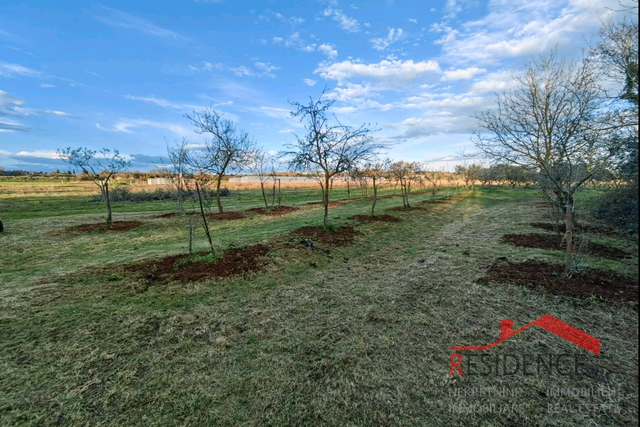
{"x": 310, "y": 82}
{"x": 12, "y": 110}
{"x": 291, "y": 20}
{"x": 126, "y": 126}
{"x": 116, "y": 18}
{"x": 164, "y": 103}
{"x": 12, "y": 70}
{"x": 345, "y": 22}
{"x": 393, "y": 36}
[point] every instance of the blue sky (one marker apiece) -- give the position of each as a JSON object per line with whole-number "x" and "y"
{"x": 123, "y": 74}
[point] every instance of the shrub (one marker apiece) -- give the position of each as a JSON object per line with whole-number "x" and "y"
{"x": 123, "y": 194}
{"x": 619, "y": 207}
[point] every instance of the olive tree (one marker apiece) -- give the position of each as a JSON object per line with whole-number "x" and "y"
{"x": 99, "y": 166}
{"x": 544, "y": 123}
{"x": 327, "y": 148}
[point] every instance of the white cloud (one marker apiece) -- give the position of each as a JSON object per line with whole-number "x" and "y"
{"x": 207, "y": 66}
{"x": 345, "y": 22}
{"x": 413, "y": 20}
{"x": 310, "y": 82}
{"x": 266, "y": 67}
{"x": 296, "y": 42}
{"x": 521, "y": 29}
{"x": 45, "y": 85}
{"x": 388, "y": 74}
{"x": 39, "y": 153}
{"x": 462, "y": 74}
{"x": 328, "y": 50}
{"x": 393, "y": 36}
{"x": 498, "y": 81}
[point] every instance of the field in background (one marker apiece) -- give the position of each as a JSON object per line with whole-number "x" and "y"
{"x": 359, "y": 336}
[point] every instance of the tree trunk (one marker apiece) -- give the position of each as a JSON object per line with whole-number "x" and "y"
{"x": 204, "y": 219}
{"x": 375, "y": 196}
{"x": 279, "y": 194}
{"x": 568, "y": 265}
{"x": 264, "y": 195}
{"x": 325, "y": 201}
{"x": 218, "y": 183}
{"x": 107, "y": 201}
{"x": 348, "y": 190}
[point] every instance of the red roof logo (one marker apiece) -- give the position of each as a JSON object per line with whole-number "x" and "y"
{"x": 548, "y": 323}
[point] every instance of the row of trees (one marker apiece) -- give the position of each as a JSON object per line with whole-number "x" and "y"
{"x": 564, "y": 122}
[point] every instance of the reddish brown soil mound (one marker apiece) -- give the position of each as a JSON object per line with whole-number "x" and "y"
{"x": 551, "y": 241}
{"x": 341, "y": 236}
{"x": 226, "y": 215}
{"x": 585, "y": 228}
{"x": 549, "y": 277}
{"x": 377, "y": 218}
{"x": 116, "y": 226}
{"x": 233, "y": 262}
{"x": 331, "y": 204}
{"x": 277, "y": 211}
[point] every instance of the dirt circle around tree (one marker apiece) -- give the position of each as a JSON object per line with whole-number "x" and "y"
{"x": 376, "y": 218}
{"x": 275, "y": 211}
{"x": 186, "y": 268}
{"x": 331, "y": 204}
{"x": 226, "y": 216}
{"x": 554, "y": 242}
{"x": 584, "y": 228}
{"x": 311, "y": 235}
{"x": 103, "y": 226}
{"x": 604, "y": 285}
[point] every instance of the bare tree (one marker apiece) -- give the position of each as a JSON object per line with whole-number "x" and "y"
{"x": 264, "y": 167}
{"x": 179, "y": 156}
{"x": 227, "y": 151}
{"x": 544, "y": 123}
{"x": 469, "y": 174}
{"x": 99, "y": 168}
{"x": 328, "y": 147}
{"x": 180, "y": 169}
{"x": 405, "y": 174}
{"x": 376, "y": 171}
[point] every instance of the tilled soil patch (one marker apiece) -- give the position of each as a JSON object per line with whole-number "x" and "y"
{"x": 585, "y": 228}
{"x": 553, "y": 242}
{"x": 343, "y": 235}
{"x": 232, "y": 262}
{"x": 376, "y": 218}
{"x": 226, "y": 215}
{"x": 103, "y": 226}
{"x": 549, "y": 277}
{"x": 277, "y": 211}
{"x": 331, "y": 204}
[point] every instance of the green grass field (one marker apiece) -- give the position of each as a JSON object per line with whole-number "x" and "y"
{"x": 360, "y": 338}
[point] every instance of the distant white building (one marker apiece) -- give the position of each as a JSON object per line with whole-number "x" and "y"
{"x": 158, "y": 181}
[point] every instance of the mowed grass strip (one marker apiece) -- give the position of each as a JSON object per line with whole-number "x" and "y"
{"x": 362, "y": 338}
